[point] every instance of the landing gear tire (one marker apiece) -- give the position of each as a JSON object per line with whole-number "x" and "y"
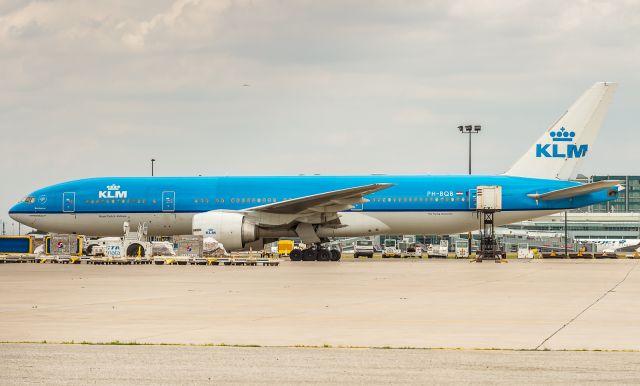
{"x": 134, "y": 249}
{"x": 324, "y": 255}
{"x": 295, "y": 255}
{"x": 335, "y": 255}
{"x": 309, "y": 254}
{"x": 355, "y": 255}
{"x": 89, "y": 249}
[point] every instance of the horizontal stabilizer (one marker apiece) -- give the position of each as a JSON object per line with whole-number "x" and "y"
{"x": 575, "y": 191}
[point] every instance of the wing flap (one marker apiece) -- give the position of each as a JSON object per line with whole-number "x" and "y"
{"x": 325, "y": 202}
{"x": 575, "y": 191}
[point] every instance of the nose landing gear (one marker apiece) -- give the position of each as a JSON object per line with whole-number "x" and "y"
{"x": 315, "y": 253}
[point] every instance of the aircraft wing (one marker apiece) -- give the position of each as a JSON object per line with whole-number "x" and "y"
{"x": 333, "y": 201}
{"x": 575, "y": 191}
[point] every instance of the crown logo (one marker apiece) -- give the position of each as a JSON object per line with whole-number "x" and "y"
{"x": 562, "y": 135}
{"x": 113, "y": 187}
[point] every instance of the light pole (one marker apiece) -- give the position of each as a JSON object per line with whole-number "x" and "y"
{"x": 152, "y": 161}
{"x": 470, "y": 129}
{"x": 566, "y": 237}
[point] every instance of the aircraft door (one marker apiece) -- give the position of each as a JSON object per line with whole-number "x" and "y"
{"x": 69, "y": 202}
{"x": 473, "y": 199}
{"x": 168, "y": 201}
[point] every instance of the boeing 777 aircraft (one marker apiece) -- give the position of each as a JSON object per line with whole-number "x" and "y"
{"x": 248, "y": 211}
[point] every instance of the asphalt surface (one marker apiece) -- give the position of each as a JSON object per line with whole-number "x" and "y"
{"x": 53, "y": 364}
{"x": 522, "y": 308}
{"x": 421, "y": 304}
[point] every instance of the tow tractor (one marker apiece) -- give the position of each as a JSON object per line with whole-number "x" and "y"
{"x": 390, "y": 249}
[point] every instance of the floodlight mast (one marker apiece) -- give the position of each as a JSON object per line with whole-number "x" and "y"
{"x": 471, "y": 129}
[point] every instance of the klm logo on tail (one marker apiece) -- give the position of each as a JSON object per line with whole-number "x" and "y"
{"x": 562, "y": 146}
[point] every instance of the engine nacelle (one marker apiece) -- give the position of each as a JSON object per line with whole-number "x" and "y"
{"x": 231, "y": 229}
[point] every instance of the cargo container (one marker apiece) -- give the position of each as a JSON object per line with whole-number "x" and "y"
{"x": 16, "y": 244}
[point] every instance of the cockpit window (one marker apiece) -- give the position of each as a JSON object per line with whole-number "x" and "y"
{"x": 29, "y": 199}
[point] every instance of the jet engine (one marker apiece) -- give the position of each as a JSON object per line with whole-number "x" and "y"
{"x": 231, "y": 229}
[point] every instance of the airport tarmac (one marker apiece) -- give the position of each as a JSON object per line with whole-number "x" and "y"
{"x": 54, "y": 364}
{"x": 359, "y": 321}
{"x": 533, "y": 304}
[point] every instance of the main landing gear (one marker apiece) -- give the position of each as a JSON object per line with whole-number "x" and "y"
{"x": 315, "y": 252}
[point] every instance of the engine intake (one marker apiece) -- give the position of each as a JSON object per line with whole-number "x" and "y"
{"x": 231, "y": 229}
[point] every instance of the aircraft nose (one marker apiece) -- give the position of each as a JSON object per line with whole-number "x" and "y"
{"x": 13, "y": 212}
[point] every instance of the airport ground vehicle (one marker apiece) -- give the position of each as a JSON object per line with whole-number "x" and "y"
{"x": 93, "y": 244}
{"x": 285, "y": 247}
{"x": 410, "y": 249}
{"x": 439, "y": 250}
{"x": 462, "y": 249}
{"x": 390, "y": 249}
{"x": 132, "y": 244}
{"x": 363, "y": 248}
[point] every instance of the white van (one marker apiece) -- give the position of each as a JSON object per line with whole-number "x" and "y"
{"x": 363, "y": 248}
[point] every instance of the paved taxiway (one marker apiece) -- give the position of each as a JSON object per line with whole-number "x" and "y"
{"x": 523, "y": 305}
{"x": 153, "y": 365}
{"x": 422, "y": 304}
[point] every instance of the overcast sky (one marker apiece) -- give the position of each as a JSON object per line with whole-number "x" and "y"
{"x": 98, "y": 88}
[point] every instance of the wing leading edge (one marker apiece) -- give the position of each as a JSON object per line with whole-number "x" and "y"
{"x": 332, "y": 201}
